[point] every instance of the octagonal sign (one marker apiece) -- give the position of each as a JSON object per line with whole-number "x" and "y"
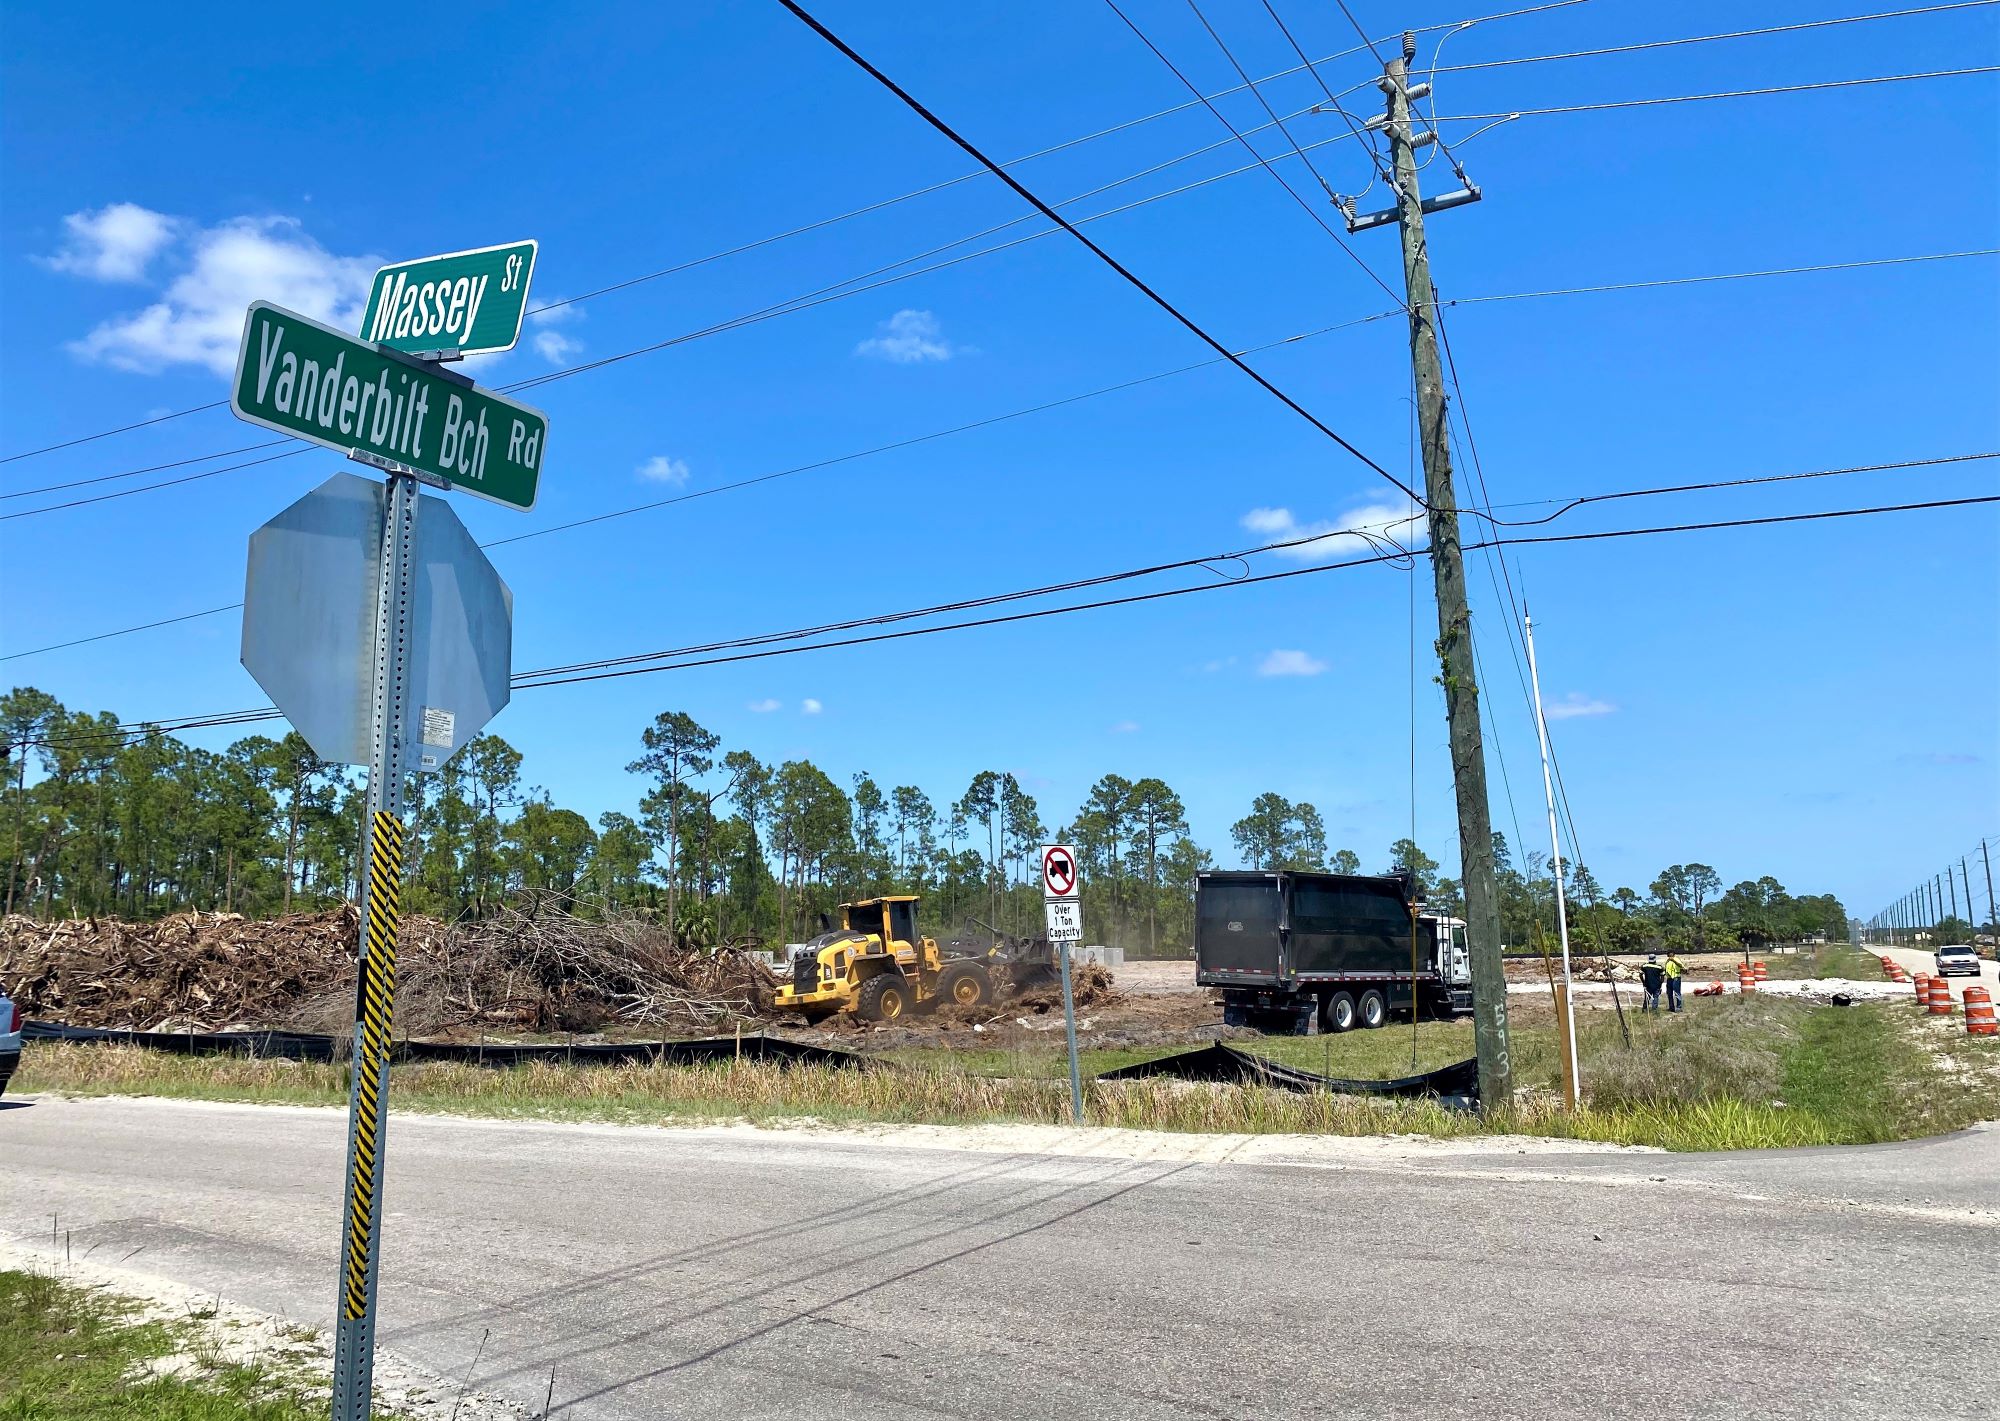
{"x": 309, "y": 619}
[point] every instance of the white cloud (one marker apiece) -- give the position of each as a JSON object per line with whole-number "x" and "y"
{"x": 554, "y": 346}
{"x": 809, "y": 706}
{"x": 1577, "y": 704}
{"x": 908, "y": 338}
{"x": 199, "y": 318}
{"x": 662, "y": 470}
{"x": 1125, "y": 727}
{"x": 765, "y": 706}
{"x": 1341, "y": 536}
{"x": 1221, "y": 663}
{"x": 114, "y": 243}
{"x": 1290, "y": 663}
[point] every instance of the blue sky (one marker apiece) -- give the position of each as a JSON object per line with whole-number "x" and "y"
{"x": 1813, "y": 701}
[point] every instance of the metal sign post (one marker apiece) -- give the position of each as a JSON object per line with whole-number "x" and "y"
{"x": 380, "y": 646}
{"x": 1061, "y": 884}
{"x": 375, "y": 993}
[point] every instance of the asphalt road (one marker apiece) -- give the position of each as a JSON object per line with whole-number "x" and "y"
{"x": 741, "y": 1274}
{"x": 1915, "y": 960}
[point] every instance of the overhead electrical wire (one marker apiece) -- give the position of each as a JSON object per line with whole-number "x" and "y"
{"x": 842, "y": 217}
{"x": 1021, "y": 191}
{"x": 1474, "y": 65}
{"x": 1611, "y": 287}
{"x": 1362, "y": 135}
{"x": 611, "y": 668}
{"x": 1474, "y": 510}
{"x": 1513, "y": 114}
{"x": 1223, "y": 119}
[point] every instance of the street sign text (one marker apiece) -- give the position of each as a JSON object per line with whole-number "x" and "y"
{"x": 299, "y": 377}
{"x": 471, "y": 302}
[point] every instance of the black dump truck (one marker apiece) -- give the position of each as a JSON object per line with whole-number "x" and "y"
{"x": 1295, "y": 953}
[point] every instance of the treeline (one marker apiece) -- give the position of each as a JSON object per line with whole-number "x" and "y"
{"x": 724, "y": 847}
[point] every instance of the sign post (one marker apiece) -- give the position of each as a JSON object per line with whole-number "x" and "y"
{"x": 383, "y": 647}
{"x": 1061, "y": 886}
{"x": 375, "y": 991}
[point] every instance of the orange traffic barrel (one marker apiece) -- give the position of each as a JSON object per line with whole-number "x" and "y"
{"x": 1746, "y": 980}
{"x": 1923, "y": 984}
{"x": 1763, "y": 972}
{"x": 1939, "y": 1001}
{"x": 1979, "y": 1018}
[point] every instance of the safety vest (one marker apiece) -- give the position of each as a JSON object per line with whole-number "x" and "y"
{"x": 1673, "y": 968}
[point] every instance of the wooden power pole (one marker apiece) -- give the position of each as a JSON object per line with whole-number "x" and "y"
{"x": 1454, "y": 645}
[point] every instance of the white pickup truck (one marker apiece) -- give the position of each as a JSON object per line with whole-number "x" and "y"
{"x": 10, "y": 1040}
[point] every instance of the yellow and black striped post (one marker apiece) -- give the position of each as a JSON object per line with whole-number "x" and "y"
{"x": 374, "y": 1011}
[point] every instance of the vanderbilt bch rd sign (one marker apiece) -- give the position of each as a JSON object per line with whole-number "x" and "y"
{"x": 299, "y": 377}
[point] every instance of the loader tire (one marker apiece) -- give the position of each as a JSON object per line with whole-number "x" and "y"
{"x": 883, "y": 998}
{"x": 965, "y": 984}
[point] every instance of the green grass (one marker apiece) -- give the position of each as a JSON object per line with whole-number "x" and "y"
{"x": 1833, "y": 959}
{"x": 1357, "y": 1055}
{"x": 1730, "y": 1073}
{"x": 72, "y": 1353}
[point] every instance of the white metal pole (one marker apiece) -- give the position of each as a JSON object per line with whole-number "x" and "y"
{"x": 1555, "y": 847}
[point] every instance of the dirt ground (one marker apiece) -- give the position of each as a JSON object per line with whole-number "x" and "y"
{"x": 1140, "y": 1004}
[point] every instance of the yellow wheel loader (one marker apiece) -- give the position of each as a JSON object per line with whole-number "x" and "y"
{"x": 877, "y": 966}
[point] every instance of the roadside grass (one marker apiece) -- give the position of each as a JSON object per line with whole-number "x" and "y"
{"x": 1832, "y": 959}
{"x": 1382, "y": 1054}
{"x": 1730, "y": 1073}
{"x": 72, "y": 1353}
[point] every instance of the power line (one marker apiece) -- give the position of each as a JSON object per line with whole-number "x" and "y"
{"x": 824, "y": 296}
{"x": 121, "y": 429}
{"x": 164, "y": 483}
{"x": 1722, "y": 276}
{"x": 1478, "y": 511}
{"x": 1707, "y": 39}
{"x": 842, "y": 217}
{"x": 1361, "y": 135}
{"x": 770, "y": 312}
{"x": 1723, "y": 94}
{"x": 148, "y": 469}
{"x": 612, "y": 670}
{"x": 1262, "y": 161}
{"x": 1050, "y": 213}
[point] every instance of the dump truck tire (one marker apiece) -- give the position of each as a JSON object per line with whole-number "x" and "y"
{"x": 883, "y": 998}
{"x": 1374, "y": 1008}
{"x": 965, "y": 984}
{"x": 1338, "y": 1013}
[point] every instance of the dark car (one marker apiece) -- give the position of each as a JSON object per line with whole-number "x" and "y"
{"x": 1957, "y": 959}
{"x": 10, "y": 1040}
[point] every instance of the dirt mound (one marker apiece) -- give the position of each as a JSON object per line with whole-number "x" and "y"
{"x": 1090, "y": 985}
{"x": 538, "y": 971}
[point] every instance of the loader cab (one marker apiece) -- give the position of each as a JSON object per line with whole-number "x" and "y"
{"x": 893, "y": 920}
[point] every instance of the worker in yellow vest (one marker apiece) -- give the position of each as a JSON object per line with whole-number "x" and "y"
{"x": 1674, "y": 971}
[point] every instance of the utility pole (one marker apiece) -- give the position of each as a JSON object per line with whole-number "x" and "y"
{"x": 1992, "y": 912}
{"x": 1454, "y": 644}
{"x": 1566, "y": 1008}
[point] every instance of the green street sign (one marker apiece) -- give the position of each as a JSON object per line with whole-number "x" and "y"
{"x": 299, "y": 377}
{"x": 471, "y": 302}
